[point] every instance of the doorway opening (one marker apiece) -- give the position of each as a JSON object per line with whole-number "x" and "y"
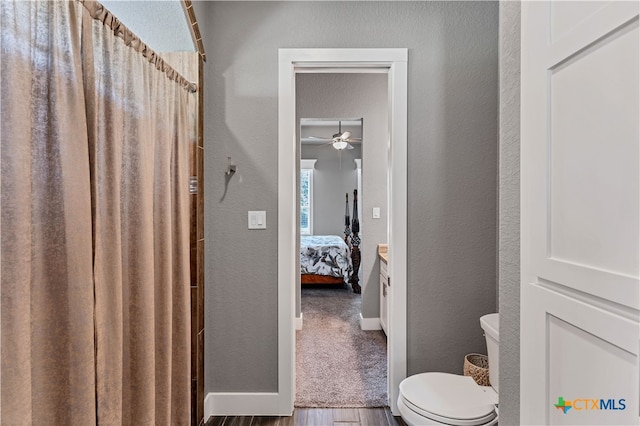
{"x": 339, "y": 271}
{"x": 393, "y": 62}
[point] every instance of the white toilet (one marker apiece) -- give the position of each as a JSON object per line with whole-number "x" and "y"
{"x": 452, "y": 399}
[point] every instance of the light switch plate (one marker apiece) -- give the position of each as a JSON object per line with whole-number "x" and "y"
{"x": 257, "y": 219}
{"x": 376, "y": 212}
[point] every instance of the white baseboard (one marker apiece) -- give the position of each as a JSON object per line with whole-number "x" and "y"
{"x": 242, "y": 404}
{"x": 299, "y": 322}
{"x": 369, "y": 324}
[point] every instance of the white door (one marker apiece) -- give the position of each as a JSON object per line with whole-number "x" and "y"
{"x": 580, "y": 221}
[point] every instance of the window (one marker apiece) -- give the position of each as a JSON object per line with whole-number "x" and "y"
{"x": 306, "y": 197}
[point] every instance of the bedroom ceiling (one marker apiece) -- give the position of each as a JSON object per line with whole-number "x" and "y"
{"x": 326, "y": 127}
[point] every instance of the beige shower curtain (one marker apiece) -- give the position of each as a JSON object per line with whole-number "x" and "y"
{"x": 95, "y": 222}
{"x": 47, "y": 281}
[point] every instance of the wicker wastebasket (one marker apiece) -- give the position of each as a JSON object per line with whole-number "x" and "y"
{"x": 477, "y": 366}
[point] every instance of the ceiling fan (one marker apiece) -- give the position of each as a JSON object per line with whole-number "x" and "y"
{"x": 338, "y": 140}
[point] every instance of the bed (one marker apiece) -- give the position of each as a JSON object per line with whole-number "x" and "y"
{"x": 329, "y": 259}
{"x": 324, "y": 259}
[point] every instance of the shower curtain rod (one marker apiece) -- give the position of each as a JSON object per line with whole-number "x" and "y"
{"x": 102, "y": 14}
{"x": 187, "y": 5}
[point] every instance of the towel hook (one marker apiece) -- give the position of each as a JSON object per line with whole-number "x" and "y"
{"x": 231, "y": 168}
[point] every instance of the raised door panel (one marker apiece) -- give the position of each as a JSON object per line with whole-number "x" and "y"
{"x": 586, "y": 177}
{"x": 589, "y": 378}
{"x": 579, "y": 353}
{"x": 593, "y": 164}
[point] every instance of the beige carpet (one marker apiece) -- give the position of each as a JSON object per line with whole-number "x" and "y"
{"x": 337, "y": 364}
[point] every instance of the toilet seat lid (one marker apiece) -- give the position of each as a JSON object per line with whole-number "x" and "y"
{"x": 449, "y": 395}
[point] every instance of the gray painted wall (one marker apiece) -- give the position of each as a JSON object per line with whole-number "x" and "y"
{"x": 452, "y": 151}
{"x": 361, "y": 95}
{"x": 332, "y": 178}
{"x": 509, "y": 213}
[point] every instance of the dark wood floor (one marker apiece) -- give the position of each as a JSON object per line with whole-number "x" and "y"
{"x": 316, "y": 417}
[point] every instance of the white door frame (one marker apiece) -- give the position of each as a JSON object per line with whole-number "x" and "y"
{"x": 292, "y": 61}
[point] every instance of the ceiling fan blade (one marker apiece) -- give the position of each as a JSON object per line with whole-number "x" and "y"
{"x": 345, "y": 135}
{"x": 355, "y": 140}
{"x": 317, "y": 141}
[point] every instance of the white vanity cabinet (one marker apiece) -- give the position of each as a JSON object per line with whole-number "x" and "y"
{"x": 384, "y": 295}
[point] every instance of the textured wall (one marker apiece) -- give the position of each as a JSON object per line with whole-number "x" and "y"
{"x": 361, "y": 96}
{"x": 333, "y": 176}
{"x": 509, "y": 213}
{"x": 452, "y": 151}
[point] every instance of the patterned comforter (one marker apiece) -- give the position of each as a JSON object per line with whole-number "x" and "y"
{"x": 325, "y": 255}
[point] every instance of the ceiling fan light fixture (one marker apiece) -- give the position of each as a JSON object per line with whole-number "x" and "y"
{"x": 339, "y": 145}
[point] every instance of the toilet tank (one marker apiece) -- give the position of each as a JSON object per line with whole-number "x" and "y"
{"x": 490, "y": 325}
